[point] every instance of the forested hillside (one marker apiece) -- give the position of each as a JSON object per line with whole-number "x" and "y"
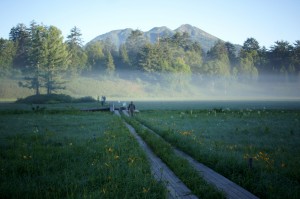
{"x": 44, "y": 60}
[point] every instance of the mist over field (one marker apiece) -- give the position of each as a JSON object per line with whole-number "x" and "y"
{"x": 166, "y": 86}
{"x": 135, "y": 85}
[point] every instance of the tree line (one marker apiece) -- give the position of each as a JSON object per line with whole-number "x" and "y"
{"x": 44, "y": 59}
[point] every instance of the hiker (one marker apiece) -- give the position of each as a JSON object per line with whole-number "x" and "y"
{"x": 131, "y": 108}
{"x": 103, "y": 99}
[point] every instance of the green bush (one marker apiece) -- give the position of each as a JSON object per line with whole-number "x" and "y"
{"x": 53, "y": 99}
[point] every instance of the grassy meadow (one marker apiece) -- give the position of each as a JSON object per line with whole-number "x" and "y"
{"x": 225, "y": 140}
{"x": 71, "y": 154}
{"x": 59, "y": 152}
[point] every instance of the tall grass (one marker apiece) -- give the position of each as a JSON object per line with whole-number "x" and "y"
{"x": 72, "y": 155}
{"x": 225, "y": 140}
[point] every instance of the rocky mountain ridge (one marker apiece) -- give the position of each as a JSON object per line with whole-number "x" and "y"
{"x": 119, "y": 37}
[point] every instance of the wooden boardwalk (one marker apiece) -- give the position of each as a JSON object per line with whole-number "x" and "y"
{"x": 95, "y": 109}
{"x": 231, "y": 189}
{"x": 161, "y": 172}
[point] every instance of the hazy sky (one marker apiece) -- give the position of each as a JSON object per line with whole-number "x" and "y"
{"x": 230, "y": 20}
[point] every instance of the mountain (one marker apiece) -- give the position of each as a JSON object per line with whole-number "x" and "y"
{"x": 156, "y": 32}
{"x": 205, "y": 39}
{"x": 119, "y": 37}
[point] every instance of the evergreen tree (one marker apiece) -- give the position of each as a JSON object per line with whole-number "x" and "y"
{"x": 37, "y": 58}
{"x": 110, "y": 66}
{"x": 179, "y": 75}
{"x": 20, "y": 35}
{"x": 248, "y": 59}
{"x": 134, "y": 44}
{"x": 231, "y": 50}
{"x": 47, "y": 57}
{"x": 193, "y": 57}
{"x": 263, "y": 62}
{"x": 57, "y": 60}
{"x": 123, "y": 54}
{"x": 155, "y": 58}
{"x": 148, "y": 59}
{"x": 7, "y": 54}
{"x": 95, "y": 55}
{"x": 281, "y": 56}
{"x": 109, "y": 46}
{"x": 296, "y": 57}
{"x": 246, "y": 69}
{"x": 251, "y": 44}
{"x": 217, "y": 63}
{"x": 251, "y": 48}
{"x": 77, "y": 56}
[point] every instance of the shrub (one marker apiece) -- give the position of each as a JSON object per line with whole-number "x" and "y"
{"x": 53, "y": 99}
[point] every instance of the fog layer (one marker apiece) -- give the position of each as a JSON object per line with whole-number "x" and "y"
{"x": 176, "y": 86}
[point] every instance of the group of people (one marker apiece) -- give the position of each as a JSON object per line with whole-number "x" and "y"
{"x": 130, "y": 107}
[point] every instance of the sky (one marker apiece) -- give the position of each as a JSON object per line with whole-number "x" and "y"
{"x": 267, "y": 21}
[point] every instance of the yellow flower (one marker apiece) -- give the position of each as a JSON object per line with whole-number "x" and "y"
{"x": 186, "y": 133}
{"x": 145, "y": 190}
{"x": 116, "y": 157}
{"x": 110, "y": 150}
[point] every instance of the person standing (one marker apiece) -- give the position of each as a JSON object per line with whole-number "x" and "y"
{"x": 103, "y": 99}
{"x": 131, "y": 109}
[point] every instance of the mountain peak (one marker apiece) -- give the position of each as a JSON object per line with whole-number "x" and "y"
{"x": 193, "y": 31}
{"x": 185, "y": 27}
{"x": 158, "y": 29}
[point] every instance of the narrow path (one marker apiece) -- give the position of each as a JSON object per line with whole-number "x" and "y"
{"x": 231, "y": 189}
{"x": 161, "y": 172}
